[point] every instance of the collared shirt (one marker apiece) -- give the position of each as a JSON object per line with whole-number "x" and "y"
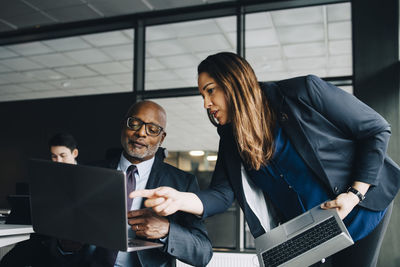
{"x": 141, "y": 176}
{"x": 294, "y": 189}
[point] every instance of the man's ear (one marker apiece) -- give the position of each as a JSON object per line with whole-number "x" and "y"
{"x": 75, "y": 153}
{"x": 164, "y": 134}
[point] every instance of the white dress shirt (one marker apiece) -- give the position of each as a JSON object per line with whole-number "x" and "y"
{"x": 141, "y": 176}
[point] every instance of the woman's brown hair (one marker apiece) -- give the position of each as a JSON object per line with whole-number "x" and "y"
{"x": 252, "y": 119}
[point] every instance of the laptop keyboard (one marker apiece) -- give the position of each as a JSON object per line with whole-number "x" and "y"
{"x": 301, "y": 243}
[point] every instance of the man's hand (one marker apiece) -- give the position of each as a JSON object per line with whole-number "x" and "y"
{"x": 148, "y": 224}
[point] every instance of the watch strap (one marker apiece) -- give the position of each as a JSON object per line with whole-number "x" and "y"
{"x": 360, "y": 196}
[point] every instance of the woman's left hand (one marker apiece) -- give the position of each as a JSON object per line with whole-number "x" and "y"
{"x": 344, "y": 204}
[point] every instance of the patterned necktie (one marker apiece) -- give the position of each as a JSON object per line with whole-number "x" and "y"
{"x": 130, "y": 184}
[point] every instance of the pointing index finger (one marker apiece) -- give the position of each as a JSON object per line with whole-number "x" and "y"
{"x": 148, "y": 193}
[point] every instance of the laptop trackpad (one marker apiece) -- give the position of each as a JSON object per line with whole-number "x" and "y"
{"x": 298, "y": 223}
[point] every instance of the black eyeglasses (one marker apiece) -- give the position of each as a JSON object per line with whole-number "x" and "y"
{"x": 136, "y": 124}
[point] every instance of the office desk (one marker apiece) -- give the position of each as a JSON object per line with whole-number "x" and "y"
{"x": 12, "y": 233}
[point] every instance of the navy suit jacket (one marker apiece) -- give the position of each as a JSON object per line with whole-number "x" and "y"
{"x": 339, "y": 138}
{"x": 187, "y": 239}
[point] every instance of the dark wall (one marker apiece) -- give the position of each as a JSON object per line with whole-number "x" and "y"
{"x": 376, "y": 82}
{"x": 26, "y": 127}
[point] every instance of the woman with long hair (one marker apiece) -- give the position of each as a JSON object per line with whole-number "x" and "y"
{"x": 300, "y": 142}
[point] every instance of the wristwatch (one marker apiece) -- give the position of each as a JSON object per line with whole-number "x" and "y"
{"x": 360, "y": 196}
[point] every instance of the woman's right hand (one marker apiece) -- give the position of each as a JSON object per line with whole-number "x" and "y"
{"x": 167, "y": 200}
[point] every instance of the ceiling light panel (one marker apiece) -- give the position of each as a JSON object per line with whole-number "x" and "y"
{"x": 76, "y": 71}
{"x": 343, "y": 71}
{"x": 67, "y": 44}
{"x": 310, "y": 40}
{"x": 15, "y": 78}
{"x": 20, "y": 64}
{"x": 188, "y": 74}
{"x": 121, "y": 78}
{"x": 304, "y": 50}
{"x": 109, "y": 68}
{"x": 153, "y": 64}
{"x": 261, "y": 37}
{"x": 254, "y": 54}
{"x": 6, "y": 53}
{"x": 45, "y": 75}
{"x": 306, "y": 63}
{"x": 226, "y": 24}
{"x": 259, "y": 21}
{"x": 107, "y": 38}
{"x": 340, "y": 47}
{"x": 4, "y": 68}
{"x": 201, "y": 43}
{"x": 29, "y": 49}
{"x": 340, "y": 61}
{"x": 174, "y": 50}
{"x": 38, "y": 86}
{"x": 88, "y": 56}
{"x": 165, "y": 48}
{"x": 339, "y": 30}
{"x": 338, "y": 12}
{"x": 179, "y": 61}
{"x": 95, "y": 64}
{"x": 119, "y": 52}
{"x": 301, "y": 34}
{"x": 297, "y": 16}
{"x": 12, "y": 89}
{"x": 54, "y": 60}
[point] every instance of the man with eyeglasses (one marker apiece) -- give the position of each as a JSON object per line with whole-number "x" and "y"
{"x": 184, "y": 235}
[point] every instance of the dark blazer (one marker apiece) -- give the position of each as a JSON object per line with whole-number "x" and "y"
{"x": 339, "y": 138}
{"x": 187, "y": 238}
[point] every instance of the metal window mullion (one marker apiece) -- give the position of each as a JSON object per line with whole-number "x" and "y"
{"x": 139, "y": 61}
{"x": 240, "y": 28}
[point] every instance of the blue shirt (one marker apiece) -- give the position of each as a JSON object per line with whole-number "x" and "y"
{"x": 294, "y": 189}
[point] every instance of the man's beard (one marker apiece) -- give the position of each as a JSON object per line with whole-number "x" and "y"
{"x": 150, "y": 151}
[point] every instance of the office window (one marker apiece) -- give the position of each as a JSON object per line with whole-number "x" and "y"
{"x": 293, "y": 42}
{"x": 81, "y": 65}
{"x": 173, "y": 51}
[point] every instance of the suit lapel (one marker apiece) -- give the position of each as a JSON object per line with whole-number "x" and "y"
{"x": 155, "y": 176}
{"x": 294, "y": 131}
{"x": 232, "y": 161}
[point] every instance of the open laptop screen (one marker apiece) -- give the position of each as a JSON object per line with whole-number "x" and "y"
{"x": 80, "y": 203}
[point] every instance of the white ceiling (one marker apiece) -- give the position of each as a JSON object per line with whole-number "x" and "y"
{"x": 279, "y": 44}
{"x": 21, "y": 14}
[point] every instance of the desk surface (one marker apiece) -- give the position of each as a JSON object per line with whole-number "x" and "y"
{"x": 15, "y": 229}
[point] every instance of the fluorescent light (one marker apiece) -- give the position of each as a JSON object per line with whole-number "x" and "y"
{"x": 196, "y": 153}
{"x": 212, "y": 158}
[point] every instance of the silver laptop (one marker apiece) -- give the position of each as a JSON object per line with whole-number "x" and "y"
{"x": 81, "y": 203}
{"x": 304, "y": 240}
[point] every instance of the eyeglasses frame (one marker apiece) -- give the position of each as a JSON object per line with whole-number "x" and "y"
{"x": 145, "y": 126}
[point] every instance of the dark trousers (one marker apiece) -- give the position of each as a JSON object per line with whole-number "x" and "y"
{"x": 365, "y": 252}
